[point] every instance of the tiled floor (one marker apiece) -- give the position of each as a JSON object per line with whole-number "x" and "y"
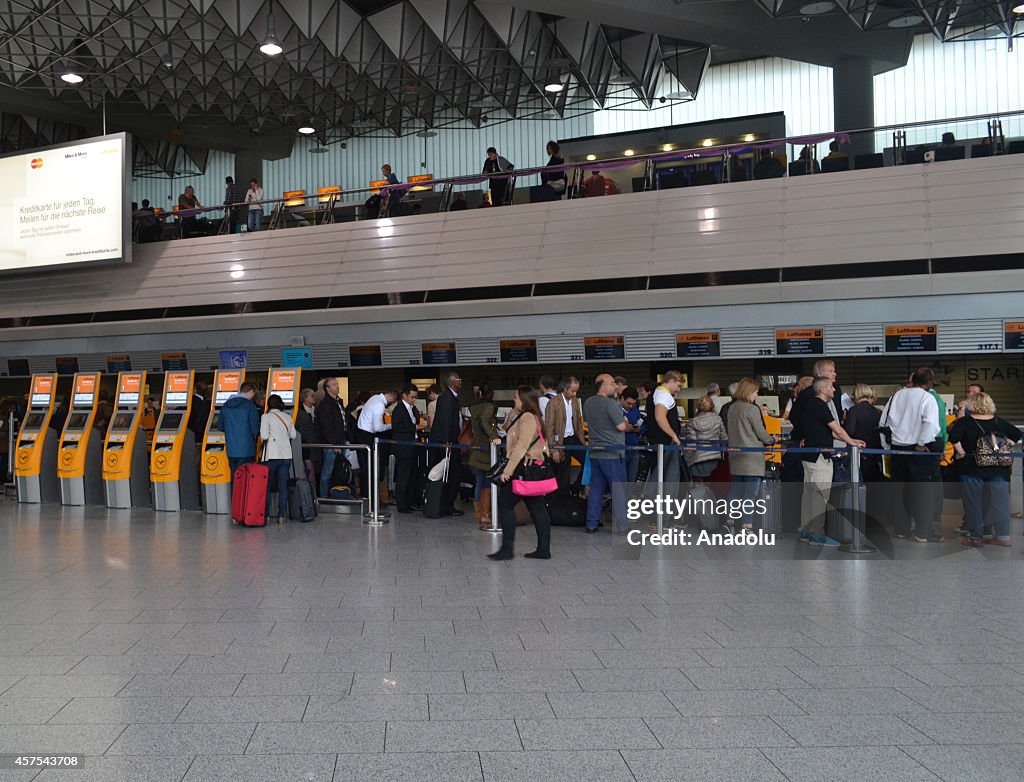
{"x": 178, "y": 647}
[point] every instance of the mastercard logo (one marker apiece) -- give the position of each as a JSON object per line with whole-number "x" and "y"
{"x": 37, "y": 162}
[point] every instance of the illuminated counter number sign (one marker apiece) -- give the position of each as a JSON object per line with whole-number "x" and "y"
{"x": 1013, "y": 335}
{"x": 604, "y": 348}
{"x": 438, "y": 353}
{"x": 698, "y": 345}
{"x": 518, "y": 350}
{"x": 799, "y": 342}
{"x": 364, "y": 355}
{"x": 912, "y": 339}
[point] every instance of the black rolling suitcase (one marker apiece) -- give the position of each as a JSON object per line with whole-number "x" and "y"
{"x": 771, "y": 494}
{"x": 841, "y": 518}
{"x": 301, "y": 500}
{"x": 566, "y": 509}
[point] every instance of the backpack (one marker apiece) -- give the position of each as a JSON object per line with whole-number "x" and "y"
{"x": 992, "y": 449}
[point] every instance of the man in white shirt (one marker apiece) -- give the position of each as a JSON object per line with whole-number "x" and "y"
{"x": 369, "y": 425}
{"x": 546, "y": 384}
{"x": 910, "y": 422}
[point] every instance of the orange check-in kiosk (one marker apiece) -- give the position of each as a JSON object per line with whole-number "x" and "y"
{"x": 35, "y": 457}
{"x": 172, "y": 465}
{"x": 214, "y": 470}
{"x": 126, "y": 452}
{"x": 80, "y": 459}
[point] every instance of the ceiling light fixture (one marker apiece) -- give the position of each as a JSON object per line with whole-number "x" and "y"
{"x": 307, "y": 130}
{"x": 554, "y": 84}
{"x": 271, "y": 46}
{"x": 629, "y": 153}
{"x": 680, "y": 95}
{"x": 1018, "y": 9}
{"x": 70, "y": 77}
{"x": 591, "y": 157}
{"x": 907, "y": 20}
{"x": 813, "y": 9}
{"x": 750, "y": 137}
{"x": 708, "y": 142}
{"x": 667, "y": 148}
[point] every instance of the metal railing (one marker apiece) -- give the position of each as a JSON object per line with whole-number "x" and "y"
{"x": 725, "y": 162}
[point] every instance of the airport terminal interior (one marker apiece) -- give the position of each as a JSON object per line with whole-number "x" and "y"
{"x": 346, "y": 437}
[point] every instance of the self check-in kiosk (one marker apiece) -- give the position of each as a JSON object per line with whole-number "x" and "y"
{"x": 35, "y": 458}
{"x": 172, "y": 466}
{"x": 285, "y": 383}
{"x": 125, "y": 453}
{"x": 215, "y": 471}
{"x": 80, "y": 459}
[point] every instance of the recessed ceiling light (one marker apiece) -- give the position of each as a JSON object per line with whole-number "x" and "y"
{"x": 591, "y": 157}
{"x": 307, "y": 130}
{"x": 1018, "y": 9}
{"x": 237, "y": 271}
{"x": 907, "y": 20}
{"x": 554, "y": 85}
{"x": 629, "y": 153}
{"x": 679, "y": 95}
{"x": 426, "y": 133}
{"x": 813, "y": 9}
{"x": 667, "y": 148}
{"x": 708, "y": 142}
{"x": 749, "y": 137}
{"x": 71, "y": 77}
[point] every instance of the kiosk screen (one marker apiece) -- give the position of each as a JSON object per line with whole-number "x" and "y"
{"x": 127, "y": 399}
{"x": 33, "y": 421}
{"x": 175, "y": 398}
{"x": 76, "y": 422}
{"x": 215, "y": 421}
{"x": 122, "y": 421}
{"x": 82, "y": 400}
{"x": 222, "y": 396}
{"x": 40, "y": 400}
{"x": 288, "y": 397}
{"x": 171, "y": 422}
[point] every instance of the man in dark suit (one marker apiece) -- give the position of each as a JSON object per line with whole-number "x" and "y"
{"x": 404, "y": 420}
{"x": 445, "y": 431}
{"x": 200, "y": 410}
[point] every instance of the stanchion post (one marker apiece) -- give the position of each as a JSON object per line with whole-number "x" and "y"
{"x": 858, "y": 543}
{"x": 661, "y": 488}
{"x": 375, "y": 518}
{"x": 494, "y": 528}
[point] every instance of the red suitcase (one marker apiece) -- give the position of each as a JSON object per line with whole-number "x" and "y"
{"x": 249, "y": 495}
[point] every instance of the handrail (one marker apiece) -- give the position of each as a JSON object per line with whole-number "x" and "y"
{"x": 604, "y": 164}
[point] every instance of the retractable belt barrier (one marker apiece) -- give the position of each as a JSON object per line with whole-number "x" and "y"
{"x": 858, "y": 545}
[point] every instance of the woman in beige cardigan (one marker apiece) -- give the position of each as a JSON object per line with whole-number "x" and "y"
{"x": 525, "y": 441}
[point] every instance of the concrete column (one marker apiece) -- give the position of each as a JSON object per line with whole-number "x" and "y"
{"x": 853, "y": 98}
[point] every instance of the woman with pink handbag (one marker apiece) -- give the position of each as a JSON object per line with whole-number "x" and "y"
{"x": 528, "y": 476}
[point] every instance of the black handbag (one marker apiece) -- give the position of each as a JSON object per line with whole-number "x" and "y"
{"x": 530, "y": 470}
{"x": 496, "y": 470}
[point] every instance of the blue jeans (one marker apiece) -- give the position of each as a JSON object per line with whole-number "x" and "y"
{"x": 987, "y": 504}
{"x": 744, "y": 487}
{"x": 327, "y": 470}
{"x": 277, "y": 481}
{"x": 481, "y": 484}
{"x": 605, "y": 475}
{"x": 255, "y": 219}
{"x": 632, "y": 465}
